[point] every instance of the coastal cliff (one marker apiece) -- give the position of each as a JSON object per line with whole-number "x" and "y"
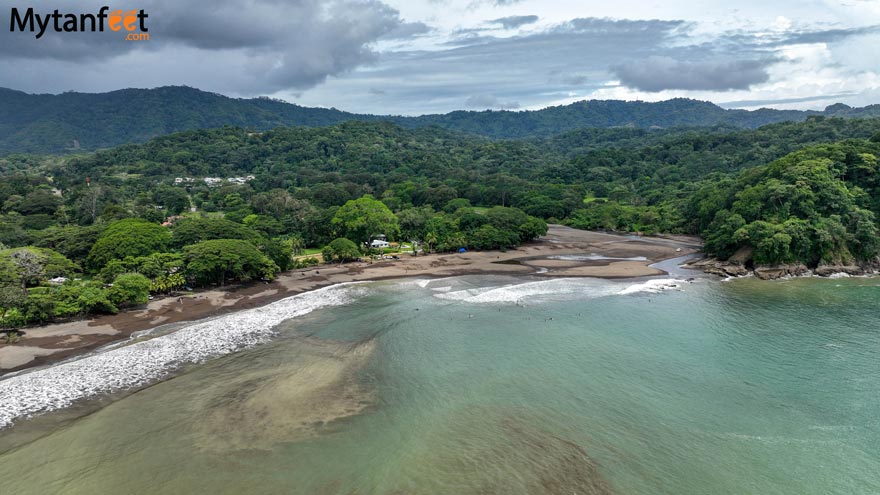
{"x": 736, "y": 268}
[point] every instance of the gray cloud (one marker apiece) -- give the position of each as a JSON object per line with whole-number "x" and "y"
{"x": 482, "y": 102}
{"x": 601, "y": 26}
{"x": 567, "y": 79}
{"x": 514, "y": 21}
{"x": 516, "y": 68}
{"x": 407, "y": 30}
{"x": 824, "y": 36}
{"x": 278, "y": 45}
{"x": 658, "y": 73}
{"x": 315, "y": 52}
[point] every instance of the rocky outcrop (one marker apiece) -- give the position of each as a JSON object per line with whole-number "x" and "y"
{"x": 735, "y": 268}
{"x": 718, "y": 267}
{"x": 825, "y": 270}
{"x": 781, "y": 271}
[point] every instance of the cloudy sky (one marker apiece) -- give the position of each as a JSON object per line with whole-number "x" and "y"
{"x": 425, "y": 56}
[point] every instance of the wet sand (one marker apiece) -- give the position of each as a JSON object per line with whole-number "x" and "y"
{"x": 51, "y": 343}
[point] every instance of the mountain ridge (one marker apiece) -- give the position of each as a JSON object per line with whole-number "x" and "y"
{"x": 71, "y": 121}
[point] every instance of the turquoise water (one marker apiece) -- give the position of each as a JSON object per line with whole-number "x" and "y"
{"x": 484, "y": 385}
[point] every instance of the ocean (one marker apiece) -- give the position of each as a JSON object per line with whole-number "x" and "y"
{"x": 474, "y": 385}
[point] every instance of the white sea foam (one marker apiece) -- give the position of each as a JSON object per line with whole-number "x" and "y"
{"x": 146, "y": 361}
{"x": 425, "y": 282}
{"x": 653, "y": 286}
{"x": 516, "y": 293}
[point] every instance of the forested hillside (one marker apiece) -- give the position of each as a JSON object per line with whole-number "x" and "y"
{"x": 70, "y": 122}
{"x": 207, "y": 207}
{"x": 816, "y": 206}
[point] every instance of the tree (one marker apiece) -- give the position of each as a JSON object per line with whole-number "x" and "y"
{"x": 264, "y": 224}
{"x": 363, "y": 219}
{"x": 532, "y": 229}
{"x": 88, "y": 206}
{"x": 174, "y": 199}
{"x": 413, "y": 222}
{"x": 72, "y": 241}
{"x": 506, "y": 218}
{"x": 192, "y": 230}
{"x": 38, "y": 201}
{"x": 10, "y": 297}
{"x": 129, "y": 237}
{"x": 29, "y": 266}
{"x": 490, "y": 237}
{"x": 79, "y": 298}
{"x": 151, "y": 266}
{"x": 297, "y": 244}
{"x": 278, "y": 250}
{"x": 222, "y": 260}
{"x": 39, "y": 305}
{"x": 454, "y": 204}
{"x": 340, "y": 250}
{"x": 469, "y": 220}
{"x": 130, "y": 289}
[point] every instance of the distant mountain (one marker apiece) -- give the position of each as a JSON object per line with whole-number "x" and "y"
{"x": 73, "y": 121}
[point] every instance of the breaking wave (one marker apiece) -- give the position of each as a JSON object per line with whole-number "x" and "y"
{"x": 146, "y": 361}
{"x": 653, "y": 286}
{"x": 556, "y": 288}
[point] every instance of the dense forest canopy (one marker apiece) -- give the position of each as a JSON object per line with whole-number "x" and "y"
{"x": 216, "y": 206}
{"x": 71, "y": 121}
{"x": 817, "y": 205}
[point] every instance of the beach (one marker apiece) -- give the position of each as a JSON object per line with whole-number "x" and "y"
{"x": 563, "y": 252}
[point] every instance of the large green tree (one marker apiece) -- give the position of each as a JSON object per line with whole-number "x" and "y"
{"x": 340, "y": 250}
{"x": 362, "y": 219}
{"x": 192, "y": 230}
{"x": 130, "y": 289}
{"x": 129, "y": 237}
{"x": 220, "y": 261}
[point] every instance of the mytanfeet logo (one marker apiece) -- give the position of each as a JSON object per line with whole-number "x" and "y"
{"x": 133, "y": 23}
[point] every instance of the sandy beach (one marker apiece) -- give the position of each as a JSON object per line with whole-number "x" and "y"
{"x": 563, "y": 252}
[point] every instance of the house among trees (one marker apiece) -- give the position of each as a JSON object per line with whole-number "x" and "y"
{"x": 380, "y": 242}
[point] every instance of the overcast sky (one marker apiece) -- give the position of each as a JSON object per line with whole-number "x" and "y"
{"x": 426, "y": 56}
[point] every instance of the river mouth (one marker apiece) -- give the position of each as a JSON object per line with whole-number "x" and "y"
{"x": 496, "y": 384}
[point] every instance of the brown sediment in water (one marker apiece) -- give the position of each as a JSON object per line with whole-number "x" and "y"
{"x": 305, "y": 397}
{"x": 561, "y": 466}
{"x": 503, "y": 451}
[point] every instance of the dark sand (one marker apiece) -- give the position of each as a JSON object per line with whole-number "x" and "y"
{"x": 51, "y": 343}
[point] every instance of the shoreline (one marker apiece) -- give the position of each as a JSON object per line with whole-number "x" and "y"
{"x": 563, "y": 252}
{"x": 736, "y": 269}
